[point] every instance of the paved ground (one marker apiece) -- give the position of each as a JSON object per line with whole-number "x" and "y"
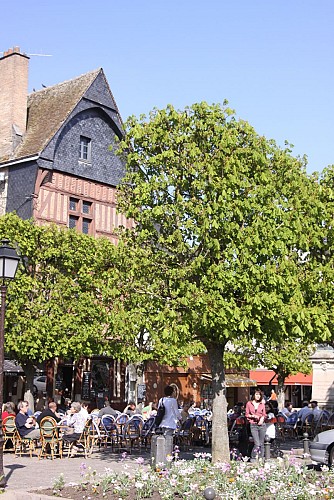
{"x": 25, "y": 474}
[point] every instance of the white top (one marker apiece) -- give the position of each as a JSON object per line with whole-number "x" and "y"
{"x": 78, "y": 421}
{"x": 172, "y": 414}
{"x": 270, "y": 427}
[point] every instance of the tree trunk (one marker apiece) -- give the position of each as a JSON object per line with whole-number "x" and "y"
{"x": 220, "y": 441}
{"x": 29, "y": 371}
{"x": 280, "y": 391}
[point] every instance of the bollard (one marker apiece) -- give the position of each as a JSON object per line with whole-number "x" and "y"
{"x": 267, "y": 448}
{"x": 209, "y": 493}
{"x": 161, "y": 448}
{"x": 306, "y": 443}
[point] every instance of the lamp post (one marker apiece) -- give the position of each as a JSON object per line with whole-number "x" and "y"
{"x": 8, "y": 265}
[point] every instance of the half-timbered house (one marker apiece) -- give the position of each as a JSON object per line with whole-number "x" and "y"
{"x": 58, "y": 165}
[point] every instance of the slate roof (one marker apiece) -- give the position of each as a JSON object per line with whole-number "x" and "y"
{"x": 48, "y": 109}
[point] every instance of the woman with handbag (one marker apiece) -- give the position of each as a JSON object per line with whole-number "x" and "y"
{"x": 171, "y": 415}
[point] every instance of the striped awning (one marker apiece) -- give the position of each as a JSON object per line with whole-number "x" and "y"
{"x": 11, "y": 368}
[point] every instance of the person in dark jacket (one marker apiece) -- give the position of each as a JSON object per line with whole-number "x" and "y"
{"x": 51, "y": 411}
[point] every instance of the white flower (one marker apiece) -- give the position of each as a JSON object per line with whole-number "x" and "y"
{"x": 139, "y": 485}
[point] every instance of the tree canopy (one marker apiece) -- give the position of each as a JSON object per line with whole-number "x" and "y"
{"x": 224, "y": 220}
{"x": 57, "y": 303}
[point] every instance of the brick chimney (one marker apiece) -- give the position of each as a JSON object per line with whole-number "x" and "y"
{"x": 14, "y": 68}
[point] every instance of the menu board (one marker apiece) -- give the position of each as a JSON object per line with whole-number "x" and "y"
{"x": 86, "y": 382}
{"x": 141, "y": 392}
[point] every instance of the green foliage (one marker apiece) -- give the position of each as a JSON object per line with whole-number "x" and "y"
{"x": 285, "y": 359}
{"x": 55, "y": 305}
{"x": 224, "y": 218}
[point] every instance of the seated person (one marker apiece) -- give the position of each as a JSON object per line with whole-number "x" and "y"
{"x": 51, "y": 411}
{"x": 25, "y": 424}
{"x": 131, "y": 410}
{"x": 274, "y": 405}
{"x": 65, "y": 406}
{"x": 146, "y": 411}
{"x": 84, "y": 410}
{"x": 8, "y": 409}
{"x": 185, "y": 412}
{"x": 315, "y": 410}
{"x": 75, "y": 421}
{"x": 287, "y": 410}
{"x": 270, "y": 421}
{"x": 107, "y": 410}
{"x": 237, "y": 412}
{"x": 304, "y": 412}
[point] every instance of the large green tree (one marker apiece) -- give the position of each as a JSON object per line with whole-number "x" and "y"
{"x": 56, "y": 304}
{"x": 224, "y": 218}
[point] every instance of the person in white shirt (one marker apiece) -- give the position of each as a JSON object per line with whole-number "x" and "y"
{"x": 270, "y": 422}
{"x": 172, "y": 415}
{"x": 84, "y": 410}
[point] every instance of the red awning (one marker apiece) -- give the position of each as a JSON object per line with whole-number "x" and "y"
{"x": 263, "y": 377}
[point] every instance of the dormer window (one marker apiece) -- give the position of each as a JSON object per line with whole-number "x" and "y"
{"x": 85, "y": 149}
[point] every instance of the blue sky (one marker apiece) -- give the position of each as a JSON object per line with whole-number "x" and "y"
{"x": 272, "y": 60}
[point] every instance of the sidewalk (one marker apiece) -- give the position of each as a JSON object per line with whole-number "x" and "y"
{"x": 26, "y": 474}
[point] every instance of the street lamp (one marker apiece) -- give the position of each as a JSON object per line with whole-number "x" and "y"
{"x": 8, "y": 265}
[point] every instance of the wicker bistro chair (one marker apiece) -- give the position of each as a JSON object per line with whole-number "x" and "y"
{"x": 120, "y": 422}
{"x": 309, "y": 425}
{"x": 200, "y": 430}
{"x": 132, "y": 433}
{"x": 52, "y": 443}
{"x": 110, "y": 430}
{"x": 280, "y": 427}
{"x": 147, "y": 432}
{"x": 84, "y": 443}
{"x": 97, "y": 435}
{"x": 290, "y": 426}
{"x": 24, "y": 445}
{"x": 9, "y": 432}
{"x": 322, "y": 422}
{"x": 184, "y": 436}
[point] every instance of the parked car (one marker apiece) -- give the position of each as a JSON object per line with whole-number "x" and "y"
{"x": 322, "y": 448}
{"x": 40, "y": 383}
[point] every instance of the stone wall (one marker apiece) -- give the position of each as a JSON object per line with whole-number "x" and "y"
{"x": 323, "y": 377}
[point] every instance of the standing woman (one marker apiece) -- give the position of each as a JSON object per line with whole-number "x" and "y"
{"x": 256, "y": 415}
{"x": 172, "y": 415}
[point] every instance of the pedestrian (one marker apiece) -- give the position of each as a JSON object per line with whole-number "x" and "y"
{"x": 273, "y": 395}
{"x": 172, "y": 415}
{"x": 256, "y": 415}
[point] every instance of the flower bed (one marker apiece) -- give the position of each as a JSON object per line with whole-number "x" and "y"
{"x": 239, "y": 479}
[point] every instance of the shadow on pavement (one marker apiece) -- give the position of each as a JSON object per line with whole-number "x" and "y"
{"x": 12, "y": 468}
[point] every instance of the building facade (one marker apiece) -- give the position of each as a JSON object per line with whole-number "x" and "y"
{"x": 57, "y": 150}
{"x": 58, "y": 165}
